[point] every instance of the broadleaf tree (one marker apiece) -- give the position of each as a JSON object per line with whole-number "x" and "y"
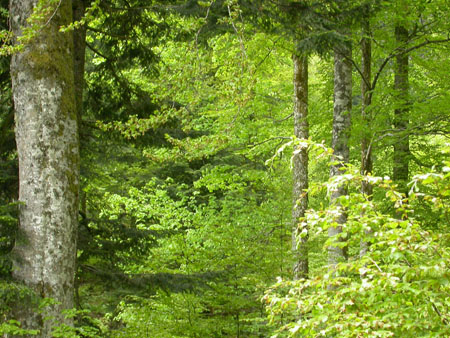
{"x": 48, "y": 151}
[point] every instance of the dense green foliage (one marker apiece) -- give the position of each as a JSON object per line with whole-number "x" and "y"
{"x": 397, "y": 289}
{"x": 185, "y": 196}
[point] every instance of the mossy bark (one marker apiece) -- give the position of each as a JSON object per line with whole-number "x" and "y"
{"x": 340, "y": 137}
{"x": 401, "y": 113}
{"x": 300, "y": 165}
{"x": 48, "y": 151}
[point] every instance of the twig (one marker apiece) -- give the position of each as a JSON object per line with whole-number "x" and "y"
{"x": 397, "y": 52}
{"x": 96, "y": 51}
{"x": 379, "y": 269}
{"x": 284, "y": 118}
{"x": 244, "y": 53}
{"x": 444, "y": 320}
{"x": 54, "y": 13}
{"x": 200, "y": 29}
{"x": 268, "y": 140}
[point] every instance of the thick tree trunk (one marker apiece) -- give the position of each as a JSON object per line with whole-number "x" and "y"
{"x": 300, "y": 170}
{"x": 48, "y": 150}
{"x": 340, "y": 138}
{"x": 401, "y": 118}
{"x": 366, "y": 149}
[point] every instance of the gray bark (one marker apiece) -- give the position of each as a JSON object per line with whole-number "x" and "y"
{"x": 300, "y": 165}
{"x": 341, "y": 134}
{"x": 366, "y": 149}
{"x": 48, "y": 151}
{"x": 401, "y": 118}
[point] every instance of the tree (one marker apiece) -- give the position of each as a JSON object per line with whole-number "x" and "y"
{"x": 133, "y": 247}
{"x": 183, "y": 227}
{"x": 401, "y": 118}
{"x": 47, "y": 146}
{"x": 341, "y": 134}
{"x": 366, "y": 84}
{"x": 399, "y": 288}
{"x": 300, "y": 164}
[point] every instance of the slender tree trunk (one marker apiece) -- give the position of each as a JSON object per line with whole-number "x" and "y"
{"x": 48, "y": 151}
{"x": 300, "y": 170}
{"x": 401, "y": 118}
{"x": 340, "y": 138}
{"x": 366, "y": 149}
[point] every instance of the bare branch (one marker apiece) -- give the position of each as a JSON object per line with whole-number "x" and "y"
{"x": 398, "y": 51}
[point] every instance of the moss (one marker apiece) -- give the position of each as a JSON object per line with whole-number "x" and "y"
{"x": 46, "y": 127}
{"x": 50, "y": 56}
{"x": 72, "y": 178}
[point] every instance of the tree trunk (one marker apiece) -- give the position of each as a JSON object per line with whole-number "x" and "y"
{"x": 401, "y": 118}
{"x": 340, "y": 138}
{"x": 48, "y": 151}
{"x": 366, "y": 149}
{"x": 300, "y": 161}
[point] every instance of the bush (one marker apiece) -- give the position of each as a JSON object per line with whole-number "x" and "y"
{"x": 398, "y": 288}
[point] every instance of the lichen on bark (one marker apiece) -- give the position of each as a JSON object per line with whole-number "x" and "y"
{"x": 48, "y": 150}
{"x": 340, "y": 137}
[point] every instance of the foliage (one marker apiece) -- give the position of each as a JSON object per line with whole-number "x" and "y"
{"x": 185, "y": 201}
{"x": 397, "y": 289}
{"x": 193, "y": 231}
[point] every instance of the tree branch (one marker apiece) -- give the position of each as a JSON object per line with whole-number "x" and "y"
{"x": 397, "y": 52}
{"x": 96, "y": 51}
